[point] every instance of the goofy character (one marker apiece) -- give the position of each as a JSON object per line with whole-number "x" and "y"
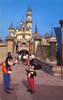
{"x": 7, "y": 70}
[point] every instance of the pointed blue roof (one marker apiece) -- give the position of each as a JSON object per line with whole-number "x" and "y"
{"x": 11, "y": 26}
{"x": 52, "y": 33}
{"x": 46, "y": 35}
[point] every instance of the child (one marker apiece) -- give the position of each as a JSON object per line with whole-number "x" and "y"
{"x": 30, "y": 78}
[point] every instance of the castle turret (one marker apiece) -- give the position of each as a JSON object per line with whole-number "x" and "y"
{"x": 11, "y": 30}
{"x": 29, "y": 19}
{"x": 36, "y": 34}
{"x": 37, "y": 38}
{"x": 52, "y": 41}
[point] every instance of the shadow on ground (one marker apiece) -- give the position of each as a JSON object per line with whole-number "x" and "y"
{"x": 45, "y": 66}
{"x": 6, "y": 96}
{"x": 47, "y": 69}
{"x": 24, "y": 82}
{"x": 43, "y": 92}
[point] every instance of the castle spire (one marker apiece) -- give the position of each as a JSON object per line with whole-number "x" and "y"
{"x": 29, "y": 19}
{"x": 11, "y": 26}
{"x": 17, "y": 26}
{"x": 52, "y": 32}
{"x": 36, "y": 29}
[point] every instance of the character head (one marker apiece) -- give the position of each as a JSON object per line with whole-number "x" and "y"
{"x": 9, "y": 61}
{"x": 31, "y": 68}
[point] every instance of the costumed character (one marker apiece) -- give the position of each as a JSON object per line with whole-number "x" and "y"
{"x": 7, "y": 70}
{"x": 31, "y": 73}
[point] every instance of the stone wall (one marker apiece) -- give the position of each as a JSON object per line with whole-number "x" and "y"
{"x": 43, "y": 52}
{"x": 5, "y": 47}
{"x": 3, "y": 52}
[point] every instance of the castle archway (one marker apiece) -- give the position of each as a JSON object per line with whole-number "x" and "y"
{"x": 23, "y": 52}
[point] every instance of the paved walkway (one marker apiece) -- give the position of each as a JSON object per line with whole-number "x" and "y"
{"x": 48, "y": 87}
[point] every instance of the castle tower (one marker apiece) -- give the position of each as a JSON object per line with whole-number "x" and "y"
{"x": 11, "y": 30}
{"x": 29, "y": 19}
{"x": 52, "y": 42}
{"x": 37, "y": 38}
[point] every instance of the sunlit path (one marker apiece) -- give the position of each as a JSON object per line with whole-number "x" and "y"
{"x": 48, "y": 87}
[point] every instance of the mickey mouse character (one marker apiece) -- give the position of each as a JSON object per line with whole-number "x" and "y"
{"x": 31, "y": 73}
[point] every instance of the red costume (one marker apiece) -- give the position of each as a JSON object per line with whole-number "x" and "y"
{"x": 30, "y": 78}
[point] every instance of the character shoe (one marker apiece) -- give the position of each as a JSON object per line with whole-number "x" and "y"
{"x": 32, "y": 91}
{"x": 29, "y": 90}
{"x": 10, "y": 89}
{"x": 7, "y": 91}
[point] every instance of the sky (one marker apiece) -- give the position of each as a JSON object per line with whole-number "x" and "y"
{"x": 46, "y": 14}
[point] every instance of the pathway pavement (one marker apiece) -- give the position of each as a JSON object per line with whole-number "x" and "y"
{"x": 48, "y": 87}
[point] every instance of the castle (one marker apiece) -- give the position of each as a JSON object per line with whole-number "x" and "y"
{"x": 24, "y": 31}
{"x": 22, "y": 37}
